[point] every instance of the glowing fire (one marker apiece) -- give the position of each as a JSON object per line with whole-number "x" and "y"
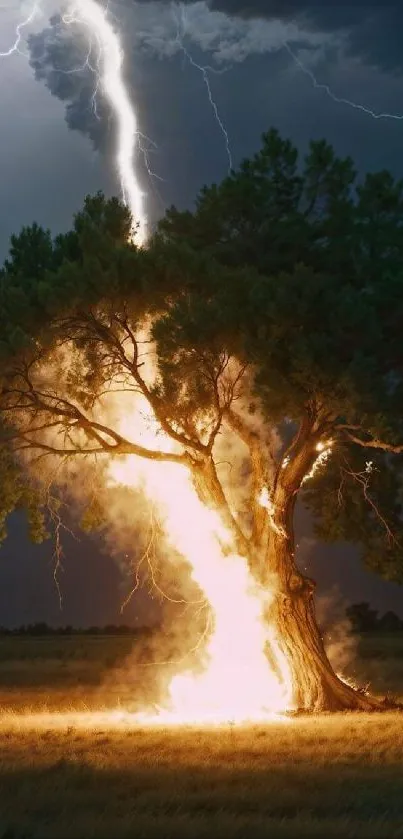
{"x": 325, "y": 450}
{"x": 91, "y": 721}
{"x": 238, "y": 683}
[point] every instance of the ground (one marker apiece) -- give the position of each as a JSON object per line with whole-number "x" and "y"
{"x": 307, "y": 777}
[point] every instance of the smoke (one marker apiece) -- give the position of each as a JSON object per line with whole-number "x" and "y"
{"x": 128, "y": 523}
{"x": 61, "y": 62}
{"x": 340, "y": 641}
{"x": 337, "y": 631}
{"x": 164, "y": 537}
{"x": 132, "y": 532}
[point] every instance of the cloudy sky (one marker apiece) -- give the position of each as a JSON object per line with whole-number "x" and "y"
{"x": 312, "y": 71}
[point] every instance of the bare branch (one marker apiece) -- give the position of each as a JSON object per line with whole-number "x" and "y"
{"x": 363, "y": 478}
{"x": 374, "y": 444}
{"x": 107, "y": 335}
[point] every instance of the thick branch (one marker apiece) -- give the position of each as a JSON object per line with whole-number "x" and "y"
{"x": 294, "y": 467}
{"x": 124, "y": 448}
{"x": 374, "y": 444}
{"x": 65, "y": 411}
{"x": 207, "y": 481}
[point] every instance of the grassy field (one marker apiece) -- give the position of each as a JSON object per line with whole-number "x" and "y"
{"x": 75, "y": 775}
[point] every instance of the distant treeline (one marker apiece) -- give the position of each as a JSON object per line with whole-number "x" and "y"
{"x": 110, "y": 629}
{"x": 360, "y": 615}
{"x": 365, "y": 619}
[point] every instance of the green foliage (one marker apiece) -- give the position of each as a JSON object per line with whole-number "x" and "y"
{"x": 93, "y": 518}
{"x": 292, "y": 266}
{"x": 358, "y": 497}
{"x": 42, "y": 279}
{"x": 314, "y": 297}
{"x": 18, "y": 492}
{"x": 308, "y": 287}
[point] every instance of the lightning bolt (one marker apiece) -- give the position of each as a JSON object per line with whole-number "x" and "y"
{"x": 179, "y": 14}
{"x": 97, "y": 72}
{"x": 339, "y": 99}
{"x": 15, "y": 47}
{"x": 89, "y": 14}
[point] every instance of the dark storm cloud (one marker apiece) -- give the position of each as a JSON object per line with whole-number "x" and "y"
{"x": 46, "y": 170}
{"x": 180, "y": 111}
{"x": 372, "y": 30}
{"x": 328, "y": 13}
{"x": 59, "y": 61}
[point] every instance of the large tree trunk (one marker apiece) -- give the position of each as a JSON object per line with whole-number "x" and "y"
{"x": 315, "y": 685}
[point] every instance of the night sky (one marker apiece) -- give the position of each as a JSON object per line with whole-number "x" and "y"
{"x": 264, "y": 58}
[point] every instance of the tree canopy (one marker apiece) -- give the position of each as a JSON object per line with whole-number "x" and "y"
{"x": 290, "y": 267}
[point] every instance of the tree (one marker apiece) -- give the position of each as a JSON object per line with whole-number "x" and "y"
{"x": 362, "y": 617}
{"x": 390, "y": 622}
{"x": 276, "y": 311}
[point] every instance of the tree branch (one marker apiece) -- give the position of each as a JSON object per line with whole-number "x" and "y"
{"x": 363, "y": 479}
{"x": 107, "y": 335}
{"x": 124, "y": 448}
{"x": 373, "y": 444}
{"x": 206, "y": 479}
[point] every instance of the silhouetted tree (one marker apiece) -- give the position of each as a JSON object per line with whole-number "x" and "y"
{"x": 362, "y": 617}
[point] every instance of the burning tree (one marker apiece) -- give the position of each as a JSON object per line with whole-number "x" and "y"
{"x": 260, "y": 337}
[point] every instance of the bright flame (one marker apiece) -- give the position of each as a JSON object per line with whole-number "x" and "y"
{"x": 325, "y": 450}
{"x": 266, "y": 502}
{"x": 110, "y": 65}
{"x": 238, "y": 683}
{"x": 90, "y": 721}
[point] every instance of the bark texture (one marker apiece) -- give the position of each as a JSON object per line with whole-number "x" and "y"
{"x": 316, "y": 687}
{"x": 271, "y": 555}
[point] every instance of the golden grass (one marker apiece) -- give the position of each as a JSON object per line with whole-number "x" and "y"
{"x": 69, "y": 775}
{"x": 340, "y": 776}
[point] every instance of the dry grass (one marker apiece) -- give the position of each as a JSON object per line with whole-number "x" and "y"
{"x": 311, "y": 777}
{"x": 308, "y": 777}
